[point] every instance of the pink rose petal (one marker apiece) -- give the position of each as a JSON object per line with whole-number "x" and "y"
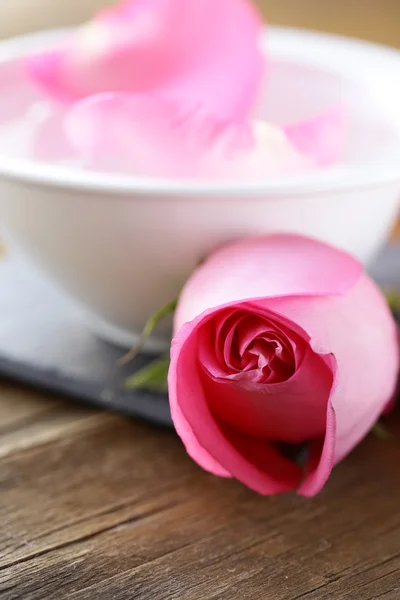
{"x": 359, "y": 330}
{"x": 321, "y": 138}
{"x": 261, "y": 409}
{"x": 148, "y": 135}
{"x": 155, "y": 136}
{"x": 275, "y": 265}
{"x": 321, "y": 458}
{"x": 194, "y": 449}
{"x": 201, "y": 51}
{"x": 242, "y": 456}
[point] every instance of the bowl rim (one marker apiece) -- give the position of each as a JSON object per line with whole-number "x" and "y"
{"x": 335, "y": 179}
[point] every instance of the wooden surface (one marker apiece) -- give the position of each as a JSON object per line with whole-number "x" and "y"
{"x": 97, "y": 507}
{"x": 94, "y": 506}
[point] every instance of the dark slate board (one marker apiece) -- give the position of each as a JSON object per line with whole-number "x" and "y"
{"x": 44, "y": 343}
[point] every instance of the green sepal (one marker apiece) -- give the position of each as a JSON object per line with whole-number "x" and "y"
{"x": 153, "y": 377}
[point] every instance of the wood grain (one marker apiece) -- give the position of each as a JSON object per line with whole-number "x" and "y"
{"x": 113, "y": 509}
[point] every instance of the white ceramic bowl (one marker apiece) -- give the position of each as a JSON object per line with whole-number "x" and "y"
{"x": 123, "y": 246}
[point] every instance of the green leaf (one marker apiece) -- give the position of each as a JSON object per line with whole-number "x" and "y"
{"x": 157, "y": 317}
{"x": 393, "y": 299}
{"x": 152, "y": 377}
{"x": 382, "y": 433}
{"x": 151, "y": 324}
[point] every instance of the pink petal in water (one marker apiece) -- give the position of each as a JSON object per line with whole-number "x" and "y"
{"x": 200, "y": 50}
{"x": 321, "y": 138}
{"x": 155, "y": 136}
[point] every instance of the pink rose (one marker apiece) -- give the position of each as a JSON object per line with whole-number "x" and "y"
{"x": 203, "y": 51}
{"x": 157, "y": 136}
{"x": 280, "y": 341}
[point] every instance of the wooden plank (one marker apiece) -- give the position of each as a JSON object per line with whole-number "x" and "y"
{"x": 120, "y": 512}
{"x": 52, "y": 493}
{"x": 17, "y": 407}
{"x": 28, "y": 419}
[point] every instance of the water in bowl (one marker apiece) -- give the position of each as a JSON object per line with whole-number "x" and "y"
{"x": 31, "y": 126}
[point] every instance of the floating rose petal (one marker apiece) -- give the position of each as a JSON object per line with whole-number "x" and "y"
{"x": 201, "y": 50}
{"x": 49, "y": 143}
{"x": 37, "y": 134}
{"x": 154, "y": 136}
{"x": 322, "y": 138}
